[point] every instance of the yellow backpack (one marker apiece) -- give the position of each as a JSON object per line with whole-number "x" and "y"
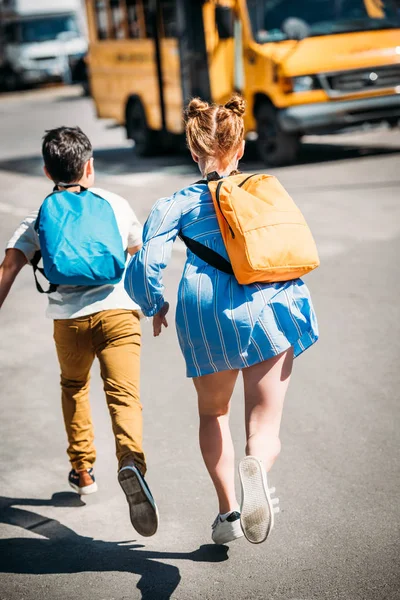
{"x": 265, "y": 234}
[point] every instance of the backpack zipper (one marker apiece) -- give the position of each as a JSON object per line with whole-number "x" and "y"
{"x": 219, "y": 206}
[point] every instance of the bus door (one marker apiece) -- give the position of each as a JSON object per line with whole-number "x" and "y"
{"x": 181, "y": 58}
{"x": 168, "y": 64}
{"x": 193, "y": 51}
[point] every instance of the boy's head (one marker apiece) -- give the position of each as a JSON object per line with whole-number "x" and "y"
{"x": 68, "y": 156}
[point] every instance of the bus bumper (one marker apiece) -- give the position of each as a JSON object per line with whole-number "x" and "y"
{"x": 324, "y": 117}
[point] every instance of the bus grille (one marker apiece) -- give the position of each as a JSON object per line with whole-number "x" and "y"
{"x": 364, "y": 80}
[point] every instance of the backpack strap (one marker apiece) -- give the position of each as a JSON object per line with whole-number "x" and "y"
{"x": 37, "y": 257}
{"x": 200, "y": 250}
{"x": 34, "y": 262}
{"x": 59, "y": 185}
{"x": 208, "y": 255}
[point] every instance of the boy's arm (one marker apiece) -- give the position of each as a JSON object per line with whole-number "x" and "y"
{"x": 20, "y": 250}
{"x": 10, "y": 267}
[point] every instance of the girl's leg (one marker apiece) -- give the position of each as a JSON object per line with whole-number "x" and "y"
{"x": 265, "y": 386}
{"x": 214, "y": 393}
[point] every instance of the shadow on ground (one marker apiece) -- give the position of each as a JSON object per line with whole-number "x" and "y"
{"x": 64, "y": 551}
{"x": 123, "y": 160}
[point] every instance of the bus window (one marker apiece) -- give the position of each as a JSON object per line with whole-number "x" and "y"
{"x": 321, "y": 17}
{"x": 100, "y": 7}
{"x": 138, "y": 13}
{"x": 168, "y": 18}
{"x": 117, "y": 20}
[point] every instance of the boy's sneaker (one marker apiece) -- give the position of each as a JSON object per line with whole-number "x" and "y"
{"x": 142, "y": 508}
{"x": 83, "y": 482}
{"x": 226, "y": 530}
{"x": 257, "y": 508}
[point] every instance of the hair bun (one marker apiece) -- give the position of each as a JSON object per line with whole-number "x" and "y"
{"x": 195, "y": 107}
{"x": 236, "y": 104}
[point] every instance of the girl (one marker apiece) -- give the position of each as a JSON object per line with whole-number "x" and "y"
{"x": 224, "y": 327}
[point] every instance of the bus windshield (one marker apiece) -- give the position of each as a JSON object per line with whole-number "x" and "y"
{"x": 45, "y": 29}
{"x": 321, "y": 17}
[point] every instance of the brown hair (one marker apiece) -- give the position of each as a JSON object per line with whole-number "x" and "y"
{"x": 65, "y": 151}
{"x": 215, "y": 131}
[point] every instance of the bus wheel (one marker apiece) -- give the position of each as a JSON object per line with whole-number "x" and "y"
{"x": 146, "y": 140}
{"x": 275, "y": 146}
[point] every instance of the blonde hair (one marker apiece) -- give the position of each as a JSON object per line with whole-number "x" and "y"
{"x": 215, "y": 132}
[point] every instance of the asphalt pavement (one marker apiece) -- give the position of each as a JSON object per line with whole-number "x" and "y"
{"x": 337, "y": 536}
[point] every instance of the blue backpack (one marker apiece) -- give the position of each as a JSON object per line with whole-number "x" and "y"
{"x": 80, "y": 242}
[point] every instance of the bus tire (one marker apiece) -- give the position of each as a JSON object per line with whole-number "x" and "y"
{"x": 146, "y": 140}
{"x": 275, "y": 146}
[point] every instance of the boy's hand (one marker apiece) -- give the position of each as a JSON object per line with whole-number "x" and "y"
{"x": 159, "y": 320}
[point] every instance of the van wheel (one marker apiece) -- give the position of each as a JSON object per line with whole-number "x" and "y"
{"x": 275, "y": 146}
{"x": 147, "y": 141}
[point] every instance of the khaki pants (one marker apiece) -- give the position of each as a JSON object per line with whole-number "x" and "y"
{"x": 114, "y": 337}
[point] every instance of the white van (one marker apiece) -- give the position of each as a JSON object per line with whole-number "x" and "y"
{"x": 42, "y": 40}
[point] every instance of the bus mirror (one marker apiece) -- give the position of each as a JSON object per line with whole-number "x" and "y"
{"x": 224, "y": 20}
{"x": 295, "y": 29}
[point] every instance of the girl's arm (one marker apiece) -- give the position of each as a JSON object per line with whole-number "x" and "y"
{"x": 143, "y": 280}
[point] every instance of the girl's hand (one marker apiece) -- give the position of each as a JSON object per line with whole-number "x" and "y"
{"x": 159, "y": 320}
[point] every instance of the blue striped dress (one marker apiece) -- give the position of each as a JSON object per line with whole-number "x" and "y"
{"x": 221, "y": 324}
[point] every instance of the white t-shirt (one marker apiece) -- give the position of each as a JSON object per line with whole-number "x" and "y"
{"x": 68, "y": 301}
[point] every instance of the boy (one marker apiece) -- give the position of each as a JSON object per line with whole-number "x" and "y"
{"x": 92, "y": 321}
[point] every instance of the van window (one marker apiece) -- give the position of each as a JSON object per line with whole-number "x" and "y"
{"x": 11, "y": 33}
{"x": 46, "y": 29}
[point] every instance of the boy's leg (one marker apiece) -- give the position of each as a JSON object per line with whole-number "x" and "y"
{"x": 117, "y": 342}
{"x": 75, "y": 354}
{"x": 116, "y": 339}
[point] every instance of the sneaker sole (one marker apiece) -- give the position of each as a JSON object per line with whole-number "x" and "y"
{"x": 84, "y": 491}
{"x": 142, "y": 509}
{"x": 256, "y": 513}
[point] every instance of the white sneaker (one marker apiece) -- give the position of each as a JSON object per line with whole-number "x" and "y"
{"x": 257, "y": 508}
{"x": 227, "y": 530}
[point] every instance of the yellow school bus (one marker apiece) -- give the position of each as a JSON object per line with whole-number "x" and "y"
{"x": 304, "y": 66}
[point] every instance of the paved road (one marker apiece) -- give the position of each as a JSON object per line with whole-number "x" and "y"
{"x": 337, "y": 535}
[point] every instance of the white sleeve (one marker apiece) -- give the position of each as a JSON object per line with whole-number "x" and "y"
{"x": 128, "y": 223}
{"x": 135, "y": 233}
{"x": 25, "y": 238}
{"x": 134, "y": 227}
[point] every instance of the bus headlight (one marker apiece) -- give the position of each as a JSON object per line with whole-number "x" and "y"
{"x": 305, "y": 83}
